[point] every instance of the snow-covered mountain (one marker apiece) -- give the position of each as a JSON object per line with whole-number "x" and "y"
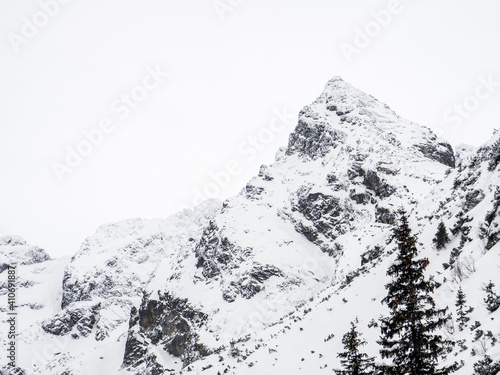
{"x": 268, "y": 281}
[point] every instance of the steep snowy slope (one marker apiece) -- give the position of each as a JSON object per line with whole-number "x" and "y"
{"x": 268, "y": 281}
{"x": 38, "y": 291}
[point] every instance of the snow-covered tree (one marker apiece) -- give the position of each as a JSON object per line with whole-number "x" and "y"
{"x": 495, "y": 156}
{"x": 489, "y": 228}
{"x": 462, "y": 310}
{"x": 486, "y": 366}
{"x": 492, "y": 300}
{"x": 408, "y": 334}
{"x": 441, "y": 238}
{"x": 353, "y": 361}
{"x": 461, "y": 228}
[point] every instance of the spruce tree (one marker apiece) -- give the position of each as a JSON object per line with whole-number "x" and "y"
{"x": 486, "y": 366}
{"x": 441, "y": 238}
{"x": 462, "y": 310}
{"x": 460, "y": 225}
{"x": 492, "y": 300}
{"x": 489, "y": 229}
{"x": 353, "y": 361}
{"x": 495, "y": 156}
{"x": 408, "y": 334}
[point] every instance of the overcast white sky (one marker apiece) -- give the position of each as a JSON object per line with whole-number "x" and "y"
{"x": 230, "y": 69}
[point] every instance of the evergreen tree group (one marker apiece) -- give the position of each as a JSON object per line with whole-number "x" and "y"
{"x": 408, "y": 334}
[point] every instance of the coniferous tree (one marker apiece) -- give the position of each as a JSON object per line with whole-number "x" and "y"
{"x": 489, "y": 228}
{"x": 486, "y": 366}
{"x": 408, "y": 334}
{"x": 495, "y": 156}
{"x": 353, "y": 361}
{"x": 461, "y": 228}
{"x": 462, "y": 310}
{"x": 441, "y": 238}
{"x": 460, "y": 225}
{"x": 492, "y": 300}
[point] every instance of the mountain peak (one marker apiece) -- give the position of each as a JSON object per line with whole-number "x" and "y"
{"x": 343, "y": 111}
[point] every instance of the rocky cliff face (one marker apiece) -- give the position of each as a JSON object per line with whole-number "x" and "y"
{"x": 15, "y": 252}
{"x": 206, "y": 289}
